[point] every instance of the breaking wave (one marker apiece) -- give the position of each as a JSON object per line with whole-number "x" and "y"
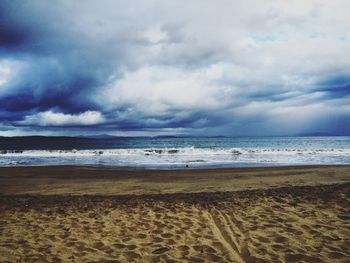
{"x": 176, "y": 157}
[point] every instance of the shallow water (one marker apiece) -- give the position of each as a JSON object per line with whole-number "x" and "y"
{"x": 167, "y": 153}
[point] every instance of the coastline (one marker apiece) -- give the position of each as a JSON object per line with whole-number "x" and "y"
{"x": 84, "y": 180}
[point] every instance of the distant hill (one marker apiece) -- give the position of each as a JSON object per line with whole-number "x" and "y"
{"x": 320, "y": 134}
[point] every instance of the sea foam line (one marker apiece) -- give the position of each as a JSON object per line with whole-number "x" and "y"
{"x": 174, "y": 151}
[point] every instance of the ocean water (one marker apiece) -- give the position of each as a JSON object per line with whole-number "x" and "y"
{"x": 173, "y": 152}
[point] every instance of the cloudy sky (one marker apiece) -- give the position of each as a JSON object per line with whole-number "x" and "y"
{"x": 154, "y": 67}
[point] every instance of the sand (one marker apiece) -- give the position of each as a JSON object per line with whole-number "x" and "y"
{"x": 63, "y": 180}
{"x": 80, "y": 214}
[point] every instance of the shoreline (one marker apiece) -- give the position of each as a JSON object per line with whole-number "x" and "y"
{"x": 130, "y": 168}
{"x": 29, "y": 201}
{"x": 75, "y": 180}
{"x": 175, "y": 168}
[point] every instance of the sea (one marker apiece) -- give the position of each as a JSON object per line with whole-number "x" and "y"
{"x": 171, "y": 152}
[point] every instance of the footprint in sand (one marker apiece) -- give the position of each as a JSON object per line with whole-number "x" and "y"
{"x": 160, "y": 250}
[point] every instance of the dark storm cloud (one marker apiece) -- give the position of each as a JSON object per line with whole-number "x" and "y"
{"x": 229, "y": 68}
{"x": 14, "y": 31}
{"x": 31, "y": 27}
{"x": 47, "y": 85}
{"x": 62, "y": 72}
{"x": 335, "y": 87}
{"x": 59, "y": 71}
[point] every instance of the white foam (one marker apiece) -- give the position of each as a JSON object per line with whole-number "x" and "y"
{"x": 176, "y": 157}
{"x": 176, "y": 151}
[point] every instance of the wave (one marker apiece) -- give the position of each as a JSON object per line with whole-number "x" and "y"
{"x": 174, "y": 151}
{"x": 176, "y": 157}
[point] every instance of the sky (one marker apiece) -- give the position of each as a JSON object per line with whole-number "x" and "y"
{"x": 151, "y": 67}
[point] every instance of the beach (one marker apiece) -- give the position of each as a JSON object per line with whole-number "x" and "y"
{"x": 174, "y": 131}
{"x": 87, "y": 214}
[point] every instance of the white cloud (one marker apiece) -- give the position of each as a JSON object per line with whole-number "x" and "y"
{"x": 50, "y": 118}
{"x": 157, "y": 90}
{"x": 4, "y": 74}
{"x": 8, "y": 70}
{"x": 156, "y": 35}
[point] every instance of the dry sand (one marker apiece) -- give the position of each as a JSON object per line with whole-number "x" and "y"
{"x": 80, "y": 214}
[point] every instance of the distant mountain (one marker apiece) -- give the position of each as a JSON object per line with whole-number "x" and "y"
{"x": 102, "y": 136}
{"x": 34, "y": 137}
{"x": 311, "y": 134}
{"x": 111, "y": 137}
{"x": 166, "y": 136}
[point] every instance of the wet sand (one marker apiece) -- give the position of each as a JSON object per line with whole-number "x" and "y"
{"x": 72, "y": 180}
{"x": 80, "y": 214}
